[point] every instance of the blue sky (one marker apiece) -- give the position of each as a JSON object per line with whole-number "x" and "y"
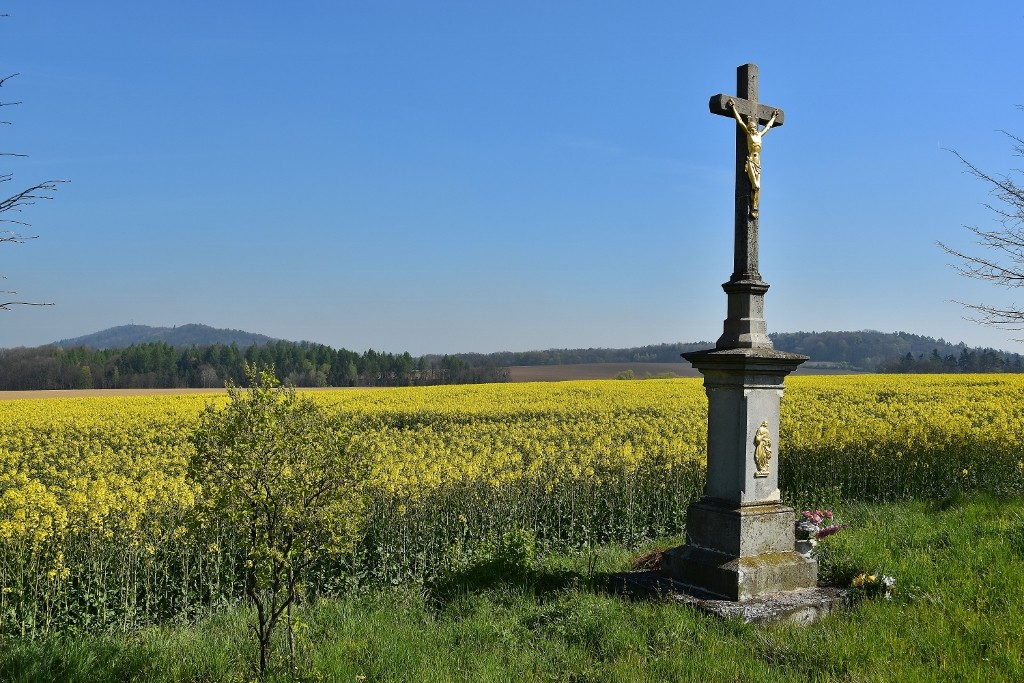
{"x": 482, "y": 176}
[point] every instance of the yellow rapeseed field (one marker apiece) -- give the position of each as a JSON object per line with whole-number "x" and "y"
{"x": 109, "y": 464}
{"x": 95, "y": 498}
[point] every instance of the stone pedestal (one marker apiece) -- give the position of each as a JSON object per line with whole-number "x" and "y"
{"x": 745, "y": 326}
{"x": 739, "y": 553}
{"x": 739, "y": 538}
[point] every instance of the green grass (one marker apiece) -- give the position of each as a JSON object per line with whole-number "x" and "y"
{"x": 957, "y": 615}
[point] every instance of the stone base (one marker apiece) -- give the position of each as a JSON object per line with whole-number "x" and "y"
{"x": 739, "y": 553}
{"x": 802, "y": 606}
{"x": 738, "y": 578}
{"x": 740, "y": 531}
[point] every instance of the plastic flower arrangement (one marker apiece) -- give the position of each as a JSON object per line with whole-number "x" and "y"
{"x": 815, "y": 525}
{"x": 872, "y": 585}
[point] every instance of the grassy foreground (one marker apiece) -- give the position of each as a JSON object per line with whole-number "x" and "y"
{"x": 957, "y": 614}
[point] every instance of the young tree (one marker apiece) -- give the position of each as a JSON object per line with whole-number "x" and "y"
{"x": 275, "y": 470}
{"x": 1003, "y": 261}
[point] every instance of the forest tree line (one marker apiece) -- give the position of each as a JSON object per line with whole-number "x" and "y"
{"x": 863, "y": 351}
{"x": 306, "y": 364}
{"x": 160, "y": 365}
{"x": 983, "y": 360}
{"x": 900, "y": 352}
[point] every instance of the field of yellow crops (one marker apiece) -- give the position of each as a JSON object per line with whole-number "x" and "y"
{"x": 95, "y": 500}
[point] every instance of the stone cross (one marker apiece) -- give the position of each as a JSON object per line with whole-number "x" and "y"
{"x": 740, "y": 541}
{"x": 745, "y": 327}
{"x": 745, "y": 266}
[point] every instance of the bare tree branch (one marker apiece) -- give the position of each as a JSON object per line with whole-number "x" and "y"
{"x": 15, "y": 238}
{"x": 6, "y": 306}
{"x": 26, "y": 197}
{"x": 16, "y": 202}
{"x": 990, "y": 316}
{"x": 2, "y": 81}
{"x": 1003, "y": 263}
{"x": 981, "y": 268}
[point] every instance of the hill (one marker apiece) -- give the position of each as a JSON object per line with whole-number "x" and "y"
{"x": 139, "y": 356}
{"x": 863, "y": 351}
{"x": 192, "y": 334}
{"x": 873, "y": 351}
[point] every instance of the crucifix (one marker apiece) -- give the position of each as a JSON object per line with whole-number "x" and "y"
{"x": 739, "y": 536}
{"x": 745, "y": 326}
{"x": 740, "y": 545}
{"x": 748, "y": 113}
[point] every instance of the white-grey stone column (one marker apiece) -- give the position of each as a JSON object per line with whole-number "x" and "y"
{"x": 739, "y": 537}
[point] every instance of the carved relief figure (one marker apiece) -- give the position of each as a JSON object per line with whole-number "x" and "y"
{"x": 753, "y": 165}
{"x": 762, "y": 449}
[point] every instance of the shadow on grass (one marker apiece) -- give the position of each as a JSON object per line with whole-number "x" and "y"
{"x": 59, "y": 659}
{"x": 494, "y": 577}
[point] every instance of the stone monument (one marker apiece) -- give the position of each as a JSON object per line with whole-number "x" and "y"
{"x": 739, "y": 537}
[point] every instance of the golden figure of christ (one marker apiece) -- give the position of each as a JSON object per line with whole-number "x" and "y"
{"x": 749, "y": 115}
{"x": 753, "y": 164}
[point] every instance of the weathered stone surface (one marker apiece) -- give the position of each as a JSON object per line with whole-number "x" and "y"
{"x": 739, "y": 553}
{"x": 744, "y": 388}
{"x": 745, "y": 326}
{"x": 717, "y": 105}
{"x": 766, "y": 361}
{"x": 745, "y": 257}
{"x": 740, "y": 540}
{"x": 740, "y": 532}
{"x": 738, "y": 578}
{"x": 801, "y": 606}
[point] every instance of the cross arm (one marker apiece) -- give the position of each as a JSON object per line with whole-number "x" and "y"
{"x": 763, "y": 112}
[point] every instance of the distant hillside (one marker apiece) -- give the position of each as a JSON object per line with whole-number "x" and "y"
{"x": 655, "y": 353}
{"x": 194, "y": 363}
{"x": 191, "y": 334}
{"x": 876, "y": 351}
{"x": 865, "y": 350}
